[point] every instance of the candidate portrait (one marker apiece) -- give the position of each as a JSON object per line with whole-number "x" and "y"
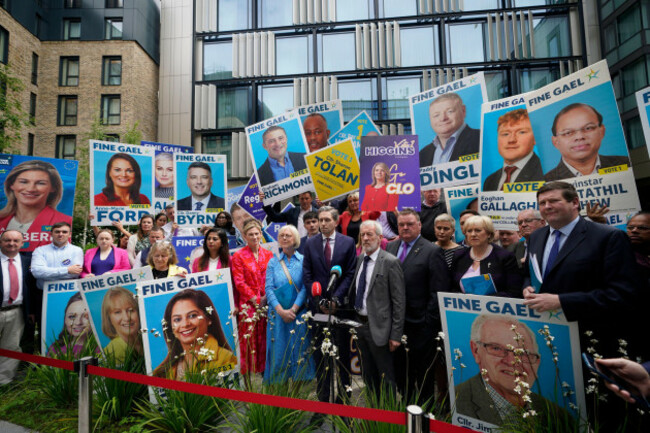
{"x": 316, "y": 131}
{"x": 454, "y": 138}
{"x": 199, "y": 181}
{"x": 515, "y": 143}
{"x": 279, "y": 164}
{"x": 578, "y": 132}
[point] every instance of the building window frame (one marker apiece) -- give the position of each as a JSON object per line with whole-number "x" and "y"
{"x": 61, "y": 150}
{"x": 109, "y": 78}
{"x": 108, "y": 114}
{"x": 32, "y": 108}
{"x": 111, "y": 31}
{"x": 4, "y": 45}
{"x": 67, "y": 109}
{"x": 67, "y": 79}
{"x": 30, "y": 144}
{"x": 72, "y": 4}
{"x": 71, "y": 29}
{"x": 114, "y": 4}
{"x": 35, "y": 69}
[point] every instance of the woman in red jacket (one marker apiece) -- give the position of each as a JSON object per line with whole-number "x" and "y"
{"x": 375, "y": 196}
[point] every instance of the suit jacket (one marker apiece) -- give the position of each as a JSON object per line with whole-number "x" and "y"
{"x": 315, "y": 269}
{"x": 386, "y": 299}
{"x": 501, "y": 264}
{"x": 425, "y": 274}
{"x": 561, "y": 171}
{"x": 519, "y": 250}
{"x": 265, "y": 174}
{"x": 121, "y": 260}
{"x": 531, "y": 172}
{"x": 467, "y": 143}
{"x": 290, "y": 216}
{"x": 31, "y": 295}
{"x": 215, "y": 202}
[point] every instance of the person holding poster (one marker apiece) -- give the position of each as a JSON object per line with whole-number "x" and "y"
{"x": 199, "y": 180}
{"x": 162, "y": 259}
{"x": 106, "y": 257}
{"x": 123, "y": 181}
{"x": 280, "y": 164}
{"x": 375, "y": 197}
{"x": 164, "y": 169}
{"x": 121, "y": 323}
{"x": 578, "y": 131}
{"x": 316, "y": 131}
{"x": 216, "y": 254}
{"x": 76, "y": 328}
{"x": 515, "y": 142}
{"x": 195, "y": 338}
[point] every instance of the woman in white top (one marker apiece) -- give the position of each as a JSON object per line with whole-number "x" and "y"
{"x": 216, "y": 254}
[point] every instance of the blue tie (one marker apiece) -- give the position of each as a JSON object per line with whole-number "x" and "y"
{"x": 198, "y": 206}
{"x": 361, "y": 288}
{"x": 555, "y": 249}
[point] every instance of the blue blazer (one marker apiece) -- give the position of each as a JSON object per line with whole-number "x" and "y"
{"x": 30, "y": 294}
{"x": 315, "y": 269}
{"x": 501, "y": 264}
{"x": 290, "y": 216}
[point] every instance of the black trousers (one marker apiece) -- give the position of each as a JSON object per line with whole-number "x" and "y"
{"x": 341, "y": 338}
{"x": 377, "y": 362}
{"x": 415, "y": 369}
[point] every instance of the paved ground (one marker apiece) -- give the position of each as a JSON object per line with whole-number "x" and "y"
{"x": 6, "y": 427}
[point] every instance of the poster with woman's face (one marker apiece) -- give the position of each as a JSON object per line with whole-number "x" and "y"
{"x": 121, "y": 182}
{"x": 36, "y": 193}
{"x": 189, "y": 325}
{"x": 65, "y": 318}
{"x": 458, "y": 199}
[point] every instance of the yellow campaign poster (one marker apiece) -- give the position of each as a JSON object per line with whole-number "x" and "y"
{"x": 334, "y": 170}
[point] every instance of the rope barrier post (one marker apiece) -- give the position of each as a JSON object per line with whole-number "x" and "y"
{"x": 414, "y": 419}
{"x": 85, "y": 393}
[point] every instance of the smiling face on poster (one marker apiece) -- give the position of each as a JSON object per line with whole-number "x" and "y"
{"x": 447, "y": 120}
{"x": 66, "y": 324}
{"x": 458, "y": 199}
{"x": 359, "y": 126}
{"x": 37, "y": 193}
{"x": 320, "y": 121}
{"x": 163, "y": 170}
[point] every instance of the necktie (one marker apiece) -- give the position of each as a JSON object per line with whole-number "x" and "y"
{"x": 198, "y": 206}
{"x": 405, "y": 251}
{"x": 509, "y": 170}
{"x": 13, "y": 282}
{"x": 328, "y": 253}
{"x": 361, "y": 288}
{"x": 555, "y": 249}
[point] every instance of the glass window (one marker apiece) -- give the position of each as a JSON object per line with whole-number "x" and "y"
{"x": 30, "y": 144}
{"x": 234, "y": 15}
{"x": 609, "y": 35}
{"x": 418, "y": 46}
{"x": 293, "y": 55}
{"x": 274, "y": 13}
{"x": 34, "y": 69}
{"x": 629, "y": 23}
{"x": 72, "y": 4}
{"x": 478, "y": 5}
{"x": 634, "y": 77}
{"x": 397, "y": 91}
{"x": 113, "y": 137}
{"x": 274, "y": 100}
{"x": 337, "y": 52}
{"x": 634, "y": 133}
{"x": 67, "y": 110}
{"x": 533, "y": 79}
{"x": 347, "y": 10}
{"x": 497, "y": 85}
{"x": 4, "y": 45}
{"x": 114, "y": 4}
{"x": 358, "y": 95}
{"x": 111, "y": 109}
{"x": 112, "y": 71}
{"x": 616, "y": 83}
{"x": 233, "y": 107}
{"x": 217, "y": 60}
{"x": 466, "y": 43}
{"x": 397, "y": 8}
{"x": 552, "y": 37}
{"x": 219, "y": 145}
{"x": 65, "y": 146}
{"x": 113, "y": 28}
{"x": 71, "y": 28}
{"x": 69, "y": 71}
{"x": 32, "y": 108}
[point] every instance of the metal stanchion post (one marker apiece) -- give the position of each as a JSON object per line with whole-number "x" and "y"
{"x": 414, "y": 419}
{"x": 85, "y": 393}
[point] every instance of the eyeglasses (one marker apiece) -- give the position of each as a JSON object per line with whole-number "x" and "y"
{"x": 588, "y": 129}
{"x": 527, "y": 221}
{"x": 501, "y": 352}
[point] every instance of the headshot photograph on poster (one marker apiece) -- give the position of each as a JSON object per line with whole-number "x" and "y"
{"x": 459, "y": 199}
{"x": 447, "y": 120}
{"x": 121, "y": 182}
{"x": 189, "y": 324}
{"x": 389, "y": 177}
{"x": 334, "y": 170}
{"x": 643, "y": 102}
{"x": 320, "y": 121}
{"x": 113, "y": 309}
{"x": 359, "y": 126}
{"x": 484, "y": 337}
{"x": 65, "y": 320}
{"x": 37, "y": 193}
{"x": 201, "y": 183}
{"x": 278, "y": 147}
{"x": 163, "y": 169}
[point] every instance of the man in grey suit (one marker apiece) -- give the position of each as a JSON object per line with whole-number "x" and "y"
{"x": 377, "y": 295}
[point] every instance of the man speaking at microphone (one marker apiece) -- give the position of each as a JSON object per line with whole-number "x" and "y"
{"x": 322, "y": 252}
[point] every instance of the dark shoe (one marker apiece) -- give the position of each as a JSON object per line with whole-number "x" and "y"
{"x": 317, "y": 419}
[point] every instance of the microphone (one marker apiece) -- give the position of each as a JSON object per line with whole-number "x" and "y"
{"x": 335, "y": 273}
{"x": 316, "y": 292}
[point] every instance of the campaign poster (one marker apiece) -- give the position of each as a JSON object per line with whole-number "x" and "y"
{"x": 113, "y": 308}
{"x": 389, "y": 178}
{"x": 234, "y": 193}
{"x": 643, "y": 102}
{"x": 189, "y": 325}
{"x": 359, "y": 126}
{"x": 53, "y": 203}
{"x": 458, "y": 199}
{"x": 121, "y": 182}
{"x": 334, "y": 170}
{"x": 250, "y": 200}
{"x": 278, "y": 147}
{"x": 580, "y": 138}
{"x": 64, "y": 319}
{"x": 201, "y": 184}
{"x": 188, "y": 249}
{"x": 499, "y": 343}
{"x": 163, "y": 169}
{"x": 320, "y": 121}
{"x": 447, "y": 120}
{"x": 272, "y": 229}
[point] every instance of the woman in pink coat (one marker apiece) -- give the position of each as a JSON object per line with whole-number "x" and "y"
{"x": 106, "y": 257}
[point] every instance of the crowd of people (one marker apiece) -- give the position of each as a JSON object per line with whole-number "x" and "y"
{"x": 391, "y": 265}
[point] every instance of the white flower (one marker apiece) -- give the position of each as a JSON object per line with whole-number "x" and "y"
{"x": 348, "y": 388}
{"x": 441, "y": 336}
{"x": 404, "y": 339}
{"x": 209, "y": 309}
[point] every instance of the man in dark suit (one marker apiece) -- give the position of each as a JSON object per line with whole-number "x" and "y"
{"x": 322, "y": 252}
{"x": 310, "y": 222}
{"x": 528, "y": 221}
{"x": 199, "y": 180}
{"x": 454, "y": 138}
{"x": 17, "y": 286}
{"x": 280, "y": 164}
{"x": 578, "y": 131}
{"x": 377, "y": 295}
{"x": 430, "y": 209}
{"x": 515, "y": 142}
{"x": 294, "y": 215}
{"x": 425, "y": 274}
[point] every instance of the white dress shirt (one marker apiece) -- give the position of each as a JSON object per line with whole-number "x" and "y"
{"x": 370, "y": 267}
{"x": 6, "y": 284}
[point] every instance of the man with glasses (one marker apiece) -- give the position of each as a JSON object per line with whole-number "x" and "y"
{"x": 528, "y": 221}
{"x": 491, "y": 395}
{"x": 578, "y": 131}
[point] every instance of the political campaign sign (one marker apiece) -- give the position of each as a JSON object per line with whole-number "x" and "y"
{"x": 359, "y": 126}
{"x": 163, "y": 169}
{"x": 320, "y": 121}
{"x": 643, "y": 102}
{"x": 334, "y": 170}
{"x": 458, "y": 199}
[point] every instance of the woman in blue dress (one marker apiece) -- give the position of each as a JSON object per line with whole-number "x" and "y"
{"x": 287, "y": 340}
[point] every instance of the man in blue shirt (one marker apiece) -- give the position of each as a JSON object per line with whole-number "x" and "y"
{"x": 280, "y": 164}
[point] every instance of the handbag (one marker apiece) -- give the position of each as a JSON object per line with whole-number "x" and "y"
{"x": 284, "y": 294}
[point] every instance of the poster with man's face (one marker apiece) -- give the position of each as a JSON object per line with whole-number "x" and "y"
{"x": 320, "y": 121}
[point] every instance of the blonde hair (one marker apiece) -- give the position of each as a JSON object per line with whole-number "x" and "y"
{"x": 294, "y": 232}
{"x": 165, "y": 246}
{"x": 53, "y": 198}
{"x": 386, "y": 170}
{"x": 482, "y": 221}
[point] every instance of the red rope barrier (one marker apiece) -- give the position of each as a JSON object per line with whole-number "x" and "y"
{"x": 35, "y": 359}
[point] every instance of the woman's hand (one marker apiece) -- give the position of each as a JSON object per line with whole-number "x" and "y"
{"x": 89, "y": 275}
{"x": 287, "y": 316}
{"x": 263, "y": 301}
{"x": 182, "y": 273}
